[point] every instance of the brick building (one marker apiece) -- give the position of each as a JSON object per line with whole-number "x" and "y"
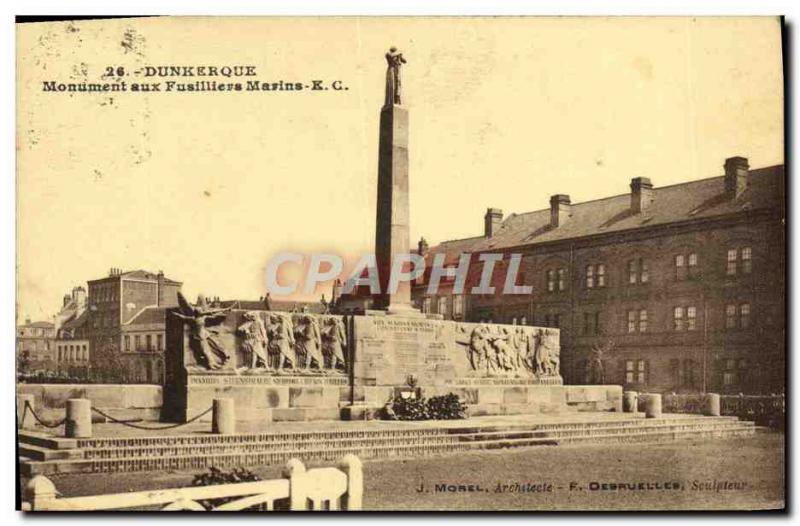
{"x": 683, "y": 285}
{"x": 126, "y": 322}
{"x": 35, "y": 346}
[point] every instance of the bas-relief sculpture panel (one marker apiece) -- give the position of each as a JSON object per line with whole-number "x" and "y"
{"x": 229, "y": 341}
{"x": 388, "y": 349}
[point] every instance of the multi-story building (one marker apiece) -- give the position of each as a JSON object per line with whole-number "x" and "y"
{"x": 35, "y": 346}
{"x": 677, "y": 288}
{"x": 126, "y": 322}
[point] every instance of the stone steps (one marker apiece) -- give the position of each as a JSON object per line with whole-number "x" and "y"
{"x": 378, "y": 441}
{"x": 197, "y": 452}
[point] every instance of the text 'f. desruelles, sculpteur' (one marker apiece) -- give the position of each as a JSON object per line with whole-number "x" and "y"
{"x": 394, "y": 60}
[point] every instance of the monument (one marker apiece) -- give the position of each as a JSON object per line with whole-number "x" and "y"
{"x": 392, "y": 218}
{"x": 303, "y": 366}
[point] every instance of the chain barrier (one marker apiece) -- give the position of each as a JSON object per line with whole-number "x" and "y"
{"x": 51, "y": 425}
{"x": 151, "y": 428}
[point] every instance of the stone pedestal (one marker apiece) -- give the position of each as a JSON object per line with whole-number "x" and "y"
{"x": 223, "y": 418}
{"x": 392, "y": 218}
{"x": 630, "y": 401}
{"x": 79, "y": 418}
{"x": 712, "y": 405}
{"x": 652, "y": 406}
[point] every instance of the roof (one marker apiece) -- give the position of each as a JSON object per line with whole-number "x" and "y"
{"x": 76, "y": 321}
{"x": 702, "y": 199}
{"x": 138, "y": 274}
{"x": 149, "y": 316}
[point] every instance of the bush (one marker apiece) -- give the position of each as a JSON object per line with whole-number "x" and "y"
{"x": 446, "y": 407}
{"x": 216, "y": 476}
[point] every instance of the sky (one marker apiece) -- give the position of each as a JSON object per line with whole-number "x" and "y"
{"x": 504, "y": 112}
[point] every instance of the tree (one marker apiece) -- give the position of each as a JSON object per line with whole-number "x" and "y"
{"x": 599, "y": 352}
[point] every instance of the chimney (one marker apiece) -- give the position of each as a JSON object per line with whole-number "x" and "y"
{"x": 67, "y": 299}
{"x": 422, "y": 247}
{"x": 492, "y": 221}
{"x": 160, "y": 301}
{"x": 560, "y": 210}
{"x": 736, "y": 170}
{"x": 642, "y": 194}
{"x": 79, "y": 296}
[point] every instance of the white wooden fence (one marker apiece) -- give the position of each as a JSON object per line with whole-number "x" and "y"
{"x": 331, "y": 488}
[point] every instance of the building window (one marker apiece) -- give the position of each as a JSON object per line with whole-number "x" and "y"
{"x": 159, "y": 342}
{"x": 556, "y": 280}
{"x": 691, "y": 318}
{"x": 747, "y": 262}
{"x": 729, "y": 373}
{"x": 442, "y": 305}
{"x": 637, "y": 320}
{"x": 638, "y": 271}
{"x": 591, "y": 323}
{"x": 635, "y": 371}
{"x": 127, "y": 341}
{"x": 148, "y": 346}
{"x": 737, "y": 317}
{"x": 426, "y": 305}
{"x": 737, "y": 256}
{"x": 744, "y": 315}
{"x": 730, "y": 316}
{"x": 458, "y": 306}
{"x": 595, "y": 276}
{"x": 137, "y": 345}
{"x": 685, "y": 266}
{"x": 677, "y": 318}
{"x": 684, "y": 318}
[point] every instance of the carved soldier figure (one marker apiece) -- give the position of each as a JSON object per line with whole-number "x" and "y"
{"x": 254, "y": 339}
{"x": 208, "y": 351}
{"x": 394, "y": 60}
{"x": 540, "y": 353}
{"x": 308, "y": 342}
{"x": 553, "y": 353}
{"x": 280, "y": 346}
{"x": 477, "y": 346}
{"x": 334, "y": 342}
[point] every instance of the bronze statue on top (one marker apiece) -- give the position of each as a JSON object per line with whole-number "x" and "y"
{"x": 208, "y": 352}
{"x": 394, "y": 60}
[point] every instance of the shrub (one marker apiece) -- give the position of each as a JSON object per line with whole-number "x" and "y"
{"x": 216, "y": 476}
{"x": 446, "y": 407}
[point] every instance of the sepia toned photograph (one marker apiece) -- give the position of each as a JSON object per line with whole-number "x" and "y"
{"x": 486, "y": 264}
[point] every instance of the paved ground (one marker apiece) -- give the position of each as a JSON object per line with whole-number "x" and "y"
{"x": 117, "y": 430}
{"x": 752, "y": 468}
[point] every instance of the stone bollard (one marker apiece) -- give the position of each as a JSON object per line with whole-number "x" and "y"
{"x": 79, "y": 418}
{"x": 25, "y": 418}
{"x": 712, "y": 405}
{"x": 630, "y": 401}
{"x": 223, "y": 416}
{"x": 652, "y": 406}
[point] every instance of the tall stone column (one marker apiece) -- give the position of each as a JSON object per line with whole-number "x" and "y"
{"x": 391, "y": 231}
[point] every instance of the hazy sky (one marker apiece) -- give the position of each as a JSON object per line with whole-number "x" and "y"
{"x": 503, "y": 113}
